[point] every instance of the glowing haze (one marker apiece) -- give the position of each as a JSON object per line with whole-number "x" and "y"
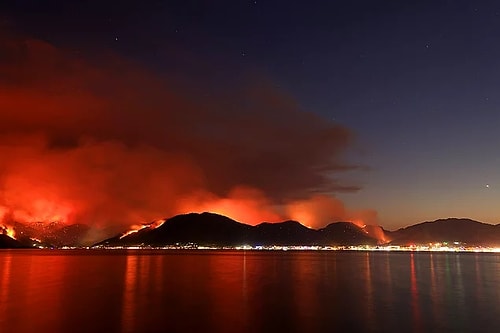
{"x": 106, "y": 143}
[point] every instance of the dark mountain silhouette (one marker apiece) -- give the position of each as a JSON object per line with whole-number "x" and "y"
{"x": 201, "y": 229}
{"x": 448, "y": 230}
{"x": 7, "y": 242}
{"x": 217, "y": 230}
{"x": 345, "y": 233}
{"x": 284, "y": 233}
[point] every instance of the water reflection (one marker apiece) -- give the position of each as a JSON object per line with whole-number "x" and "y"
{"x": 247, "y": 291}
{"x": 415, "y": 305}
{"x": 5, "y": 266}
{"x": 129, "y": 294}
{"x": 370, "y": 314}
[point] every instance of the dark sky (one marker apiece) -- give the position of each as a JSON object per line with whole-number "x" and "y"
{"x": 415, "y": 81}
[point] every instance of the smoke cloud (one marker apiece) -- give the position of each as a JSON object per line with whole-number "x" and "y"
{"x": 104, "y": 142}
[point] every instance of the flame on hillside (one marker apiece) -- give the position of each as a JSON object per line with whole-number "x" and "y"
{"x": 136, "y": 228}
{"x": 374, "y": 231}
{"x": 8, "y": 231}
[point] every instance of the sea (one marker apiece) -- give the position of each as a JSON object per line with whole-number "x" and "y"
{"x": 247, "y": 291}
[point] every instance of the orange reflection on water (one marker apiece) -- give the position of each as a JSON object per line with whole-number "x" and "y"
{"x": 51, "y": 269}
{"x": 304, "y": 290}
{"x": 5, "y": 265}
{"x": 227, "y": 275}
{"x": 30, "y": 282}
{"x": 129, "y": 294}
{"x": 414, "y": 296}
{"x": 233, "y": 291}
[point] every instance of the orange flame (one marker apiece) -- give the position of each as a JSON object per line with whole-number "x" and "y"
{"x": 359, "y": 223}
{"x": 372, "y": 230}
{"x": 8, "y": 231}
{"x": 157, "y": 224}
{"x": 138, "y": 227}
{"x": 133, "y": 229}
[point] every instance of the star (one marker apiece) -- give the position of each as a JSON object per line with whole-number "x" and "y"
{"x": 487, "y": 185}
{"x": 116, "y": 38}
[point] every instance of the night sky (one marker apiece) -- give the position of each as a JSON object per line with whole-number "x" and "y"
{"x": 414, "y": 82}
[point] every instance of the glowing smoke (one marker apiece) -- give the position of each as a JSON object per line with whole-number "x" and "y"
{"x": 110, "y": 144}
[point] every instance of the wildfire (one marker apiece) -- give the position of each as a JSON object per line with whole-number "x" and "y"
{"x": 134, "y": 229}
{"x": 359, "y": 223}
{"x": 138, "y": 227}
{"x": 373, "y": 231}
{"x": 8, "y": 231}
{"x": 157, "y": 224}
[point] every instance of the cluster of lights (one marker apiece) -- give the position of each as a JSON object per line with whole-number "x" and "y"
{"x": 432, "y": 247}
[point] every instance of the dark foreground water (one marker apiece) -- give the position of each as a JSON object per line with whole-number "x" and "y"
{"x": 196, "y": 291}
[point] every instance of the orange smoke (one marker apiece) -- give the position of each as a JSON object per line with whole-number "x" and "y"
{"x": 317, "y": 211}
{"x": 321, "y": 210}
{"x": 241, "y": 203}
{"x": 95, "y": 183}
{"x": 368, "y": 221}
{"x": 110, "y": 144}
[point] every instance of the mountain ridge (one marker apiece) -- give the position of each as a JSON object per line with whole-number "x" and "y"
{"x": 218, "y": 230}
{"x": 224, "y": 231}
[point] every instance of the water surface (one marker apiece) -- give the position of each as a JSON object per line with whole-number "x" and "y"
{"x": 252, "y": 291}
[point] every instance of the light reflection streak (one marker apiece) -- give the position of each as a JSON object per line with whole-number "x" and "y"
{"x": 129, "y": 294}
{"x": 304, "y": 288}
{"x": 144, "y": 270}
{"x": 479, "y": 284}
{"x": 159, "y": 274}
{"x": 5, "y": 285}
{"x": 434, "y": 292}
{"x": 414, "y": 295}
{"x": 244, "y": 279}
{"x": 460, "y": 285}
{"x": 370, "y": 314}
{"x": 388, "y": 277}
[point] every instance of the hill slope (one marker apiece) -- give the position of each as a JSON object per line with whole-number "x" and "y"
{"x": 449, "y": 230}
{"x": 9, "y": 243}
{"x": 218, "y": 230}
